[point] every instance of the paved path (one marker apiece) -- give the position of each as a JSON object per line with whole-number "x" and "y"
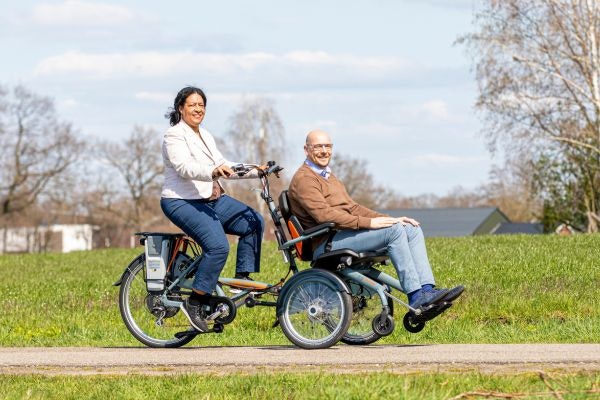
{"x": 405, "y": 358}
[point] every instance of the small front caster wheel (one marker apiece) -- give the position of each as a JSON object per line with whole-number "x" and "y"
{"x": 412, "y": 324}
{"x": 382, "y": 326}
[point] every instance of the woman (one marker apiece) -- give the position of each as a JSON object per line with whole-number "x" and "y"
{"x": 193, "y": 199}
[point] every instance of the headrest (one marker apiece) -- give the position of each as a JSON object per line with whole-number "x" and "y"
{"x": 284, "y": 205}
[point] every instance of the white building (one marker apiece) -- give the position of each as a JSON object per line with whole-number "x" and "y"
{"x": 56, "y": 238}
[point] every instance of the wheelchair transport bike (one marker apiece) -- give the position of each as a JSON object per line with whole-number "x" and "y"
{"x": 342, "y": 297}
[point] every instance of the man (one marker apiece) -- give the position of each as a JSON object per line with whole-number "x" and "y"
{"x": 317, "y": 196}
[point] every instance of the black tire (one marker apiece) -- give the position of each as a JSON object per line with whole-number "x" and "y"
{"x": 366, "y": 305}
{"x": 412, "y": 323}
{"x": 315, "y": 311}
{"x": 382, "y": 326}
{"x": 135, "y": 306}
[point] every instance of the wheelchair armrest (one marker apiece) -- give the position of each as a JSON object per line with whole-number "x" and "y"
{"x": 309, "y": 234}
{"x": 328, "y": 225}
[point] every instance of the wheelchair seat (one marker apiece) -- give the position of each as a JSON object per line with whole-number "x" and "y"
{"x": 342, "y": 258}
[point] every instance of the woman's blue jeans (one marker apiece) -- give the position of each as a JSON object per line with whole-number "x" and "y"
{"x": 405, "y": 245}
{"x": 207, "y": 222}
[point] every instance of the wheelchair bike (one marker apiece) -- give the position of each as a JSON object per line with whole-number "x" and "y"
{"x": 343, "y": 296}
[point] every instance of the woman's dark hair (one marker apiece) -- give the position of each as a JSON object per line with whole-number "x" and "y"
{"x": 173, "y": 114}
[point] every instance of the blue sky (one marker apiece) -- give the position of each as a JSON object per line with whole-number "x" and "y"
{"x": 382, "y": 76}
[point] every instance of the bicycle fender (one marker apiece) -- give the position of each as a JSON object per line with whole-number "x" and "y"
{"x": 135, "y": 261}
{"x": 334, "y": 278}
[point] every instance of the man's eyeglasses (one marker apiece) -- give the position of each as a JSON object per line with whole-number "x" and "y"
{"x": 323, "y": 146}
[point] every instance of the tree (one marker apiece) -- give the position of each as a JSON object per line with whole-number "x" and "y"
{"x": 35, "y": 148}
{"x": 538, "y": 68}
{"x": 359, "y": 182}
{"x": 256, "y": 135}
{"x": 138, "y": 161}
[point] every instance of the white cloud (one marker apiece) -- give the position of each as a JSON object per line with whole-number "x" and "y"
{"x": 68, "y": 103}
{"x": 158, "y": 97}
{"x": 80, "y": 13}
{"x": 303, "y": 66}
{"x": 436, "y": 108}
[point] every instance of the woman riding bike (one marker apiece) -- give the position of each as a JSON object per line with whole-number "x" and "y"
{"x": 195, "y": 201}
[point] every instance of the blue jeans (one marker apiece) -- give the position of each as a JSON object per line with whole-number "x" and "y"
{"x": 207, "y": 222}
{"x": 405, "y": 245}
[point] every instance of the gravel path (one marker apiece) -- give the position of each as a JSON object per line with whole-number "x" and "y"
{"x": 224, "y": 360}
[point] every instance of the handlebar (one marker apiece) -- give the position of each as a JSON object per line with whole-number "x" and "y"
{"x": 243, "y": 169}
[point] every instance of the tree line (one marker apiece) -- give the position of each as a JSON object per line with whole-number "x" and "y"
{"x": 52, "y": 174}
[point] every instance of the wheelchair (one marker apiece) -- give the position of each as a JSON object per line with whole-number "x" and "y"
{"x": 343, "y": 296}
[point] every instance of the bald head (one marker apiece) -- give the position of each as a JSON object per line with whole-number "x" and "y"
{"x": 317, "y": 136}
{"x": 318, "y": 148}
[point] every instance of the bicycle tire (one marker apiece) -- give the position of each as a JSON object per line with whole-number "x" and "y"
{"x": 366, "y": 305}
{"x": 134, "y": 305}
{"x": 315, "y": 311}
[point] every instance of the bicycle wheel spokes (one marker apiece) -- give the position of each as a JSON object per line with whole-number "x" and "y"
{"x": 145, "y": 315}
{"x": 366, "y": 305}
{"x": 315, "y": 313}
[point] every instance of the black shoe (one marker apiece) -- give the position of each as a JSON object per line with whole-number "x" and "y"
{"x": 243, "y": 275}
{"x": 454, "y": 293}
{"x": 424, "y": 298}
{"x": 193, "y": 312}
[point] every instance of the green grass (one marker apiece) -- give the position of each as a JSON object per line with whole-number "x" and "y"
{"x": 315, "y": 385}
{"x": 520, "y": 289}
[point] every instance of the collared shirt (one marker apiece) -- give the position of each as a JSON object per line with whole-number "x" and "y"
{"x": 324, "y": 172}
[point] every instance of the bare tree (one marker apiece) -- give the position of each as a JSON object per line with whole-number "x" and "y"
{"x": 138, "y": 161}
{"x": 360, "y": 184}
{"x": 256, "y": 135}
{"x": 35, "y": 148}
{"x": 538, "y": 68}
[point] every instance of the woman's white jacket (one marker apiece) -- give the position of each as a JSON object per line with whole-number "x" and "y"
{"x": 189, "y": 163}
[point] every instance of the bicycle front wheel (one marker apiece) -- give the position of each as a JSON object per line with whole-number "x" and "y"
{"x": 315, "y": 311}
{"x": 366, "y": 305}
{"x": 148, "y": 320}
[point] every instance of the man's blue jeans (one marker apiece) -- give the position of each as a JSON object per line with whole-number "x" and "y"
{"x": 405, "y": 245}
{"x": 207, "y": 222}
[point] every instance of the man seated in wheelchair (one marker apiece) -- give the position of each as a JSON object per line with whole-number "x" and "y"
{"x": 316, "y": 196}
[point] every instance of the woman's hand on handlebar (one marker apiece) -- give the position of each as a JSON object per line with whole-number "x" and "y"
{"x": 264, "y": 168}
{"x": 222, "y": 171}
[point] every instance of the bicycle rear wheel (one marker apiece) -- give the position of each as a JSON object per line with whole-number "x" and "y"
{"x": 366, "y": 305}
{"x": 315, "y": 311}
{"x": 141, "y": 311}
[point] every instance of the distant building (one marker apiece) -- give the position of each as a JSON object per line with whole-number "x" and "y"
{"x": 448, "y": 222}
{"x": 61, "y": 238}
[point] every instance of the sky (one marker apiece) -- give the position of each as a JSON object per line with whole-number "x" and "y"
{"x": 383, "y": 77}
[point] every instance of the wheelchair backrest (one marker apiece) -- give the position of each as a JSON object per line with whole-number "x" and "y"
{"x": 284, "y": 205}
{"x": 303, "y": 248}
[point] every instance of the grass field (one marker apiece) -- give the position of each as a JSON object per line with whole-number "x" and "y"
{"x": 519, "y": 289}
{"x": 316, "y": 385}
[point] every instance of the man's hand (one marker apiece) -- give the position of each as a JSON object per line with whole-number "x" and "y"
{"x": 406, "y": 220}
{"x": 222, "y": 171}
{"x": 384, "y": 222}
